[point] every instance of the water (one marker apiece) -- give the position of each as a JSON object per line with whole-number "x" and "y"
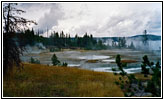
{"x": 108, "y": 60}
{"x": 94, "y": 57}
{"x": 109, "y": 69}
{"x": 104, "y": 59}
{"x": 73, "y": 65}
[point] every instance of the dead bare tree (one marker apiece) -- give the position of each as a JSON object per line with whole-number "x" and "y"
{"x": 13, "y": 23}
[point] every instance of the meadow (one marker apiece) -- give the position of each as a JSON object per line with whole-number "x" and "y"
{"x": 36, "y": 80}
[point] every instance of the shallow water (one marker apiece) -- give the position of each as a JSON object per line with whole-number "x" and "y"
{"x": 94, "y": 57}
{"x": 73, "y": 65}
{"x": 104, "y": 59}
{"x": 109, "y": 60}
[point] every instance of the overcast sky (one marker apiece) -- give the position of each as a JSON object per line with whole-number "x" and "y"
{"x": 100, "y": 19}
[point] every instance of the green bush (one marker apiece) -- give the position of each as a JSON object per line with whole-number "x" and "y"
{"x": 34, "y": 61}
{"x": 64, "y": 64}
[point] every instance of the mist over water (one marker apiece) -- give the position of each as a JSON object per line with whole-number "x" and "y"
{"x": 151, "y": 45}
{"x": 99, "y": 60}
{"x": 138, "y": 44}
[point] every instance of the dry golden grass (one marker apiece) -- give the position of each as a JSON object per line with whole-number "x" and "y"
{"x": 141, "y": 77}
{"x": 37, "y": 80}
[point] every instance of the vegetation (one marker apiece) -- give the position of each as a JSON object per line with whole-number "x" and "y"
{"x": 65, "y": 41}
{"x": 131, "y": 46}
{"x": 12, "y": 47}
{"x": 34, "y": 61}
{"x": 64, "y": 64}
{"x": 154, "y": 85}
{"x": 119, "y": 43}
{"x": 55, "y": 60}
{"x": 37, "y": 80}
{"x": 131, "y": 85}
{"x": 122, "y": 42}
{"x": 145, "y": 38}
{"x": 126, "y": 80}
{"x": 53, "y": 49}
{"x": 58, "y": 41}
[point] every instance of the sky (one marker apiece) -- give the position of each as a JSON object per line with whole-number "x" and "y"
{"x": 107, "y": 19}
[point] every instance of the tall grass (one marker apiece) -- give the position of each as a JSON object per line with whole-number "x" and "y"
{"x": 37, "y": 80}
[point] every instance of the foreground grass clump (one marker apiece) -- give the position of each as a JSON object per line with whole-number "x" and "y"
{"x": 37, "y": 80}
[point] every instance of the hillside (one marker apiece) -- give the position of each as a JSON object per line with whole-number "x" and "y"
{"x": 149, "y": 36}
{"x": 37, "y": 80}
{"x": 136, "y": 37}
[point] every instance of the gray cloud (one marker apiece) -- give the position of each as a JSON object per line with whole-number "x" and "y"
{"x": 99, "y": 19}
{"x": 51, "y": 18}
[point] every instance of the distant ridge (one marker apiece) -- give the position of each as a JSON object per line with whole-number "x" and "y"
{"x": 136, "y": 37}
{"x": 149, "y": 36}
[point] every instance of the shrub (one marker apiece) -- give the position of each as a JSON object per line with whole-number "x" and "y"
{"x": 125, "y": 80}
{"x": 54, "y": 49}
{"x": 154, "y": 85}
{"x": 64, "y": 64}
{"x": 51, "y": 50}
{"x": 34, "y": 61}
{"x": 55, "y": 60}
{"x": 129, "y": 84}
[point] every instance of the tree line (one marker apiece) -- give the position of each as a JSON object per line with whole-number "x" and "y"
{"x": 61, "y": 40}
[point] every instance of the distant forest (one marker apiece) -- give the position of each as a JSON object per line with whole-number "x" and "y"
{"x": 61, "y": 40}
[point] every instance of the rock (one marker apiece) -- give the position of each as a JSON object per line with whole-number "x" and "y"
{"x": 147, "y": 94}
{"x": 144, "y": 84}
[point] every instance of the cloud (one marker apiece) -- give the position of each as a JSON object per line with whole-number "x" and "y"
{"x": 34, "y": 11}
{"x": 99, "y": 19}
{"x": 51, "y": 18}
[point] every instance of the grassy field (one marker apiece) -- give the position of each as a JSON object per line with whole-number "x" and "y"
{"x": 37, "y": 80}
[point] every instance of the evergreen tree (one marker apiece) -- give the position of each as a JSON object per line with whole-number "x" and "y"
{"x": 145, "y": 38}
{"x": 131, "y": 46}
{"x": 55, "y": 60}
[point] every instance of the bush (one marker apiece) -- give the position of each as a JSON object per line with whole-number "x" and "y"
{"x": 51, "y": 50}
{"x": 154, "y": 85}
{"x": 54, "y": 49}
{"x": 55, "y": 60}
{"x": 64, "y": 64}
{"x": 128, "y": 83}
{"x": 34, "y": 61}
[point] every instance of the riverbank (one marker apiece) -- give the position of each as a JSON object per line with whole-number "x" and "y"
{"x": 36, "y": 80}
